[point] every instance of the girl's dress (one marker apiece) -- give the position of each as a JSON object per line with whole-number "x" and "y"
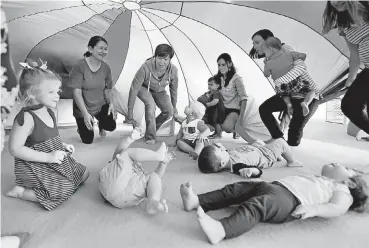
{"x": 52, "y": 183}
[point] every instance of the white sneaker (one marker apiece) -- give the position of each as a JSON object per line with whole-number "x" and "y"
{"x": 361, "y": 134}
{"x": 137, "y": 133}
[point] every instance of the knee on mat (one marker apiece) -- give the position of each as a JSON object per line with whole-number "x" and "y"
{"x": 348, "y": 107}
{"x": 111, "y": 127}
{"x": 294, "y": 139}
{"x": 87, "y": 140}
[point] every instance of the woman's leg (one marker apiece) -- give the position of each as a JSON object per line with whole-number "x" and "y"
{"x": 106, "y": 122}
{"x": 145, "y": 96}
{"x": 163, "y": 102}
{"x": 298, "y": 121}
{"x": 355, "y": 100}
{"x": 230, "y": 122}
{"x": 266, "y": 110}
{"x": 87, "y": 136}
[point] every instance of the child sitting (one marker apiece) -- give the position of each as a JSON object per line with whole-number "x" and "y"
{"x": 278, "y": 63}
{"x": 193, "y": 132}
{"x": 124, "y": 183}
{"x": 215, "y": 111}
{"x": 44, "y": 170}
{"x": 215, "y": 158}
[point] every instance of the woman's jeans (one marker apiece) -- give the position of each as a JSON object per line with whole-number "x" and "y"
{"x": 297, "y": 123}
{"x": 356, "y": 99}
{"x": 151, "y": 100}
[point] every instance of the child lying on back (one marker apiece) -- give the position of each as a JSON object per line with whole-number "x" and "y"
{"x": 215, "y": 158}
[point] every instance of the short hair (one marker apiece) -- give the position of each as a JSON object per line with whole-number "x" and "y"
{"x": 359, "y": 194}
{"x": 208, "y": 161}
{"x": 273, "y": 42}
{"x": 198, "y": 108}
{"x": 164, "y": 50}
{"x": 211, "y": 79}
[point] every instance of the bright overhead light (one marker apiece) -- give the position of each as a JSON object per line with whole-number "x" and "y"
{"x": 130, "y": 5}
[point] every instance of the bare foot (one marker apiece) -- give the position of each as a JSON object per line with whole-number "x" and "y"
{"x": 305, "y": 109}
{"x": 361, "y": 135}
{"x": 154, "y": 206}
{"x": 102, "y": 133}
{"x": 189, "y": 199}
{"x": 85, "y": 176}
{"x": 280, "y": 158}
{"x": 162, "y": 150}
{"x": 213, "y": 229}
{"x": 193, "y": 154}
{"x": 295, "y": 164}
{"x": 16, "y": 192}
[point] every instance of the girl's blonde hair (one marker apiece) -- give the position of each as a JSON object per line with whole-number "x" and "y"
{"x": 198, "y": 109}
{"x": 31, "y": 77}
{"x": 355, "y": 12}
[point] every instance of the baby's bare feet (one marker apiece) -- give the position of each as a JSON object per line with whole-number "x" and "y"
{"x": 295, "y": 164}
{"x": 162, "y": 150}
{"x": 189, "y": 199}
{"x": 213, "y": 229}
{"x": 305, "y": 109}
{"x": 155, "y": 206}
{"x": 16, "y": 192}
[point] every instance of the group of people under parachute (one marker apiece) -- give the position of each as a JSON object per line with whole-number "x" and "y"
{"x": 46, "y": 172}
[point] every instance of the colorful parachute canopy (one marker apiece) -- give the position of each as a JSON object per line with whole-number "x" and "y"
{"x": 199, "y": 31}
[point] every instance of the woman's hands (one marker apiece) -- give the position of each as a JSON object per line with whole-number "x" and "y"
{"x": 89, "y": 121}
{"x": 112, "y": 111}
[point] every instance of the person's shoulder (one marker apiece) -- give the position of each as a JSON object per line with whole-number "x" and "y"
{"x": 287, "y": 48}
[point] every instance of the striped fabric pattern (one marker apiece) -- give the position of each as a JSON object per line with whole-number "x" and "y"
{"x": 300, "y": 75}
{"x": 52, "y": 183}
{"x": 359, "y": 35}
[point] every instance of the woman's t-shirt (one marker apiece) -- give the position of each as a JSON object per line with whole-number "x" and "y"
{"x": 92, "y": 84}
{"x": 359, "y": 35}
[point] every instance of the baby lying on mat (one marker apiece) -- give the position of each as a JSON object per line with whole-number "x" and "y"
{"x": 124, "y": 183}
{"x": 246, "y": 160}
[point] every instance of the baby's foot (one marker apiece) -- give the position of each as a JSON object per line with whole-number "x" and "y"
{"x": 137, "y": 133}
{"x": 193, "y": 154}
{"x": 102, "y": 133}
{"x": 16, "y": 192}
{"x": 155, "y": 206}
{"x": 189, "y": 199}
{"x": 305, "y": 109}
{"x": 295, "y": 164}
{"x": 162, "y": 150}
{"x": 280, "y": 158}
{"x": 213, "y": 229}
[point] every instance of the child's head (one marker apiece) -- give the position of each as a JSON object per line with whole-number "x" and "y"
{"x": 38, "y": 85}
{"x": 195, "y": 109}
{"x": 213, "y": 158}
{"x": 213, "y": 84}
{"x": 271, "y": 45}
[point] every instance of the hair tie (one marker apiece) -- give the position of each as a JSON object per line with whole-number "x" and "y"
{"x": 31, "y": 65}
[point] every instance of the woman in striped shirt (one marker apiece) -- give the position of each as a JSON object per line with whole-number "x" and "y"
{"x": 277, "y": 103}
{"x": 352, "y": 20}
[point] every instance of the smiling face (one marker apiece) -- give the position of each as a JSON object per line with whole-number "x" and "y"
{"x": 337, "y": 172}
{"x": 99, "y": 51}
{"x": 223, "y": 66}
{"x": 258, "y": 43}
{"x": 162, "y": 62}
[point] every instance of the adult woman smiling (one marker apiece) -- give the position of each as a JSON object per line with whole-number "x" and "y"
{"x": 92, "y": 82}
{"x": 276, "y": 103}
{"x": 149, "y": 86}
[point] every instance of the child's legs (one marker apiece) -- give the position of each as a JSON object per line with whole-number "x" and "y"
{"x": 22, "y": 193}
{"x": 124, "y": 144}
{"x": 184, "y": 146}
{"x": 154, "y": 186}
{"x": 218, "y": 129}
{"x": 309, "y": 97}
{"x": 160, "y": 170}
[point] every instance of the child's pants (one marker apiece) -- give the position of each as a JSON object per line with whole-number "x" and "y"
{"x": 258, "y": 202}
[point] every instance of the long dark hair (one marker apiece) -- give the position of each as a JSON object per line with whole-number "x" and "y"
{"x": 333, "y": 18}
{"x": 232, "y": 70}
{"x": 265, "y": 34}
{"x": 92, "y": 43}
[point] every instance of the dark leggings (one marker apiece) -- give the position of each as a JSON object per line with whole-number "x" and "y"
{"x": 106, "y": 122}
{"x": 356, "y": 99}
{"x": 257, "y": 201}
